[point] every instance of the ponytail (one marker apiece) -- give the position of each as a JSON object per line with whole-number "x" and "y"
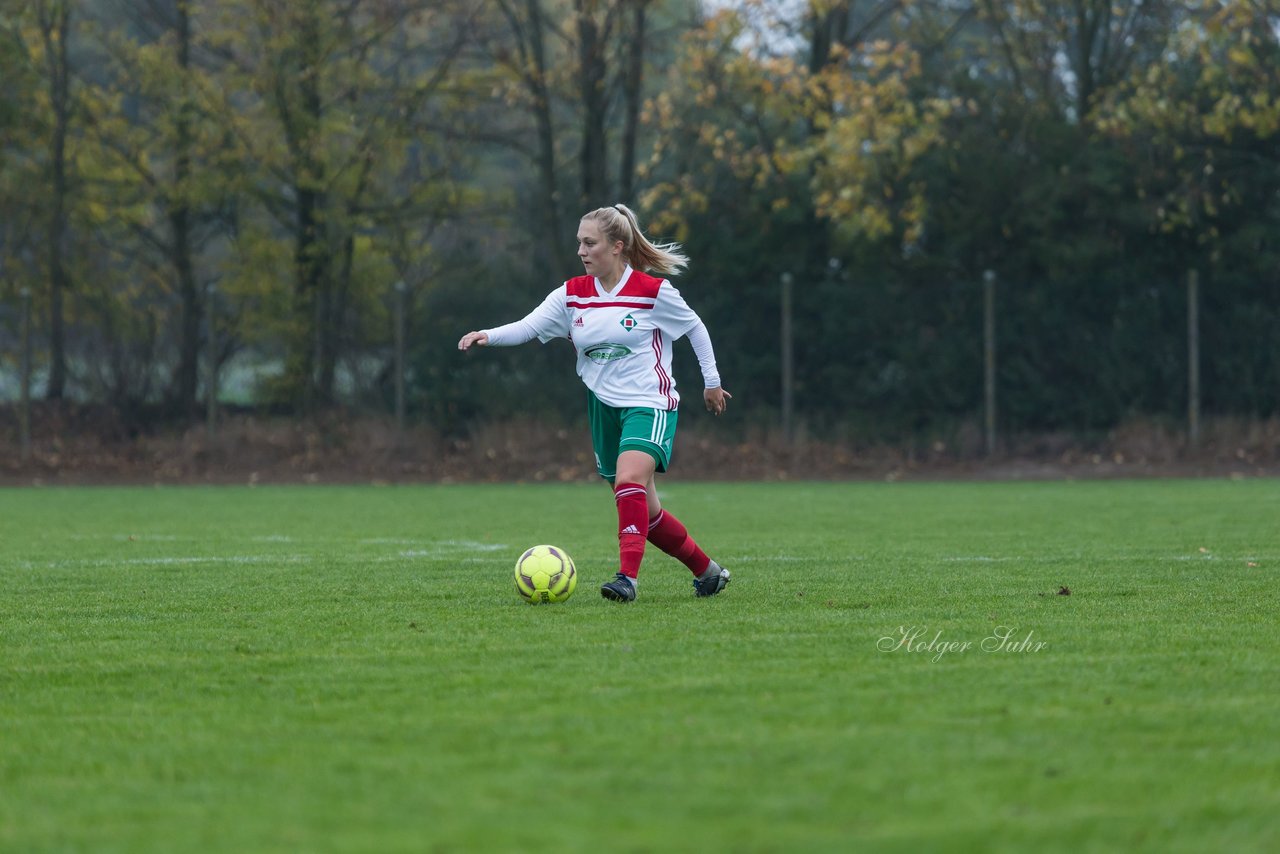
{"x": 619, "y": 223}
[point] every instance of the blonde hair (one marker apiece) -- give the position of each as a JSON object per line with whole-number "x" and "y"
{"x": 619, "y": 223}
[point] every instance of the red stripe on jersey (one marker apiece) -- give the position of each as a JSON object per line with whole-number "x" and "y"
{"x": 641, "y": 285}
{"x": 581, "y": 286}
{"x": 633, "y": 304}
{"x": 664, "y": 380}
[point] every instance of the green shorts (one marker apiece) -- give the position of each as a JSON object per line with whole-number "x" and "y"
{"x": 631, "y": 428}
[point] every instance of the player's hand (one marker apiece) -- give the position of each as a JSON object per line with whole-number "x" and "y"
{"x": 477, "y": 338}
{"x": 716, "y": 399}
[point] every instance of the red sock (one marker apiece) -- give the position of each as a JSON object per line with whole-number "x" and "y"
{"x": 633, "y": 525}
{"x": 667, "y": 533}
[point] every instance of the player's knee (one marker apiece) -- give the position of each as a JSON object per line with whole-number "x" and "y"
{"x": 635, "y": 467}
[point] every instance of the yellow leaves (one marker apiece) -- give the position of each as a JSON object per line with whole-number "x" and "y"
{"x": 662, "y": 109}
{"x": 1211, "y": 87}
{"x": 673, "y": 202}
{"x": 1264, "y": 116}
{"x": 97, "y": 213}
{"x": 1240, "y": 55}
{"x": 853, "y": 128}
{"x": 819, "y": 8}
{"x": 876, "y": 134}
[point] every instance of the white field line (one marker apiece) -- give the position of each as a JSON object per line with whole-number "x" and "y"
{"x": 164, "y": 561}
{"x": 460, "y": 550}
{"x": 121, "y": 538}
{"x": 454, "y": 547}
{"x": 1117, "y": 556}
{"x": 729, "y": 559}
{"x": 467, "y": 551}
{"x": 285, "y": 538}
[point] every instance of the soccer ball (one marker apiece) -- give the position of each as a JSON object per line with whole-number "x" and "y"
{"x": 545, "y": 574}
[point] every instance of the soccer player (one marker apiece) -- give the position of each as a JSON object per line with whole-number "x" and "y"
{"x": 622, "y": 322}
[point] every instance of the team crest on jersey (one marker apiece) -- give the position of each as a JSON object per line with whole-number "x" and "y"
{"x": 629, "y": 323}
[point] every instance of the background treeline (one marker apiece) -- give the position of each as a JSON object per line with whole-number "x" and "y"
{"x": 235, "y": 187}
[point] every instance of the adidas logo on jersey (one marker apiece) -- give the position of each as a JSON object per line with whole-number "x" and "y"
{"x": 577, "y": 321}
{"x": 631, "y": 529}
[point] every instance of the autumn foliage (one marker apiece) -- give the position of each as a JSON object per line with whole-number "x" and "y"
{"x": 234, "y": 190}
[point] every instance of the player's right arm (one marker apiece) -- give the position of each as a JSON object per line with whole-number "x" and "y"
{"x": 479, "y": 339}
{"x": 549, "y": 320}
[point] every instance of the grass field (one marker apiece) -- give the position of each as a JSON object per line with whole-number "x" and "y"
{"x": 350, "y": 669}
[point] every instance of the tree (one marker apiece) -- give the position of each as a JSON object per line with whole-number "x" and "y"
{"x": 1209, "y": 118}
{"x": 579, "y": 72}
{"x": 524, "y": 54}
{"x": 595, "y": 26}
{"x": 635, "y": 37}
{"x": 344, "y": 110}
{"x": 161, "y": 148}
{"x": 15, "y": 131}
{"x": 842, "y": 120}
{"x": 50, "y": 45}
{"x": 1065, "y": 55}
{"x": 1203, "y": 122}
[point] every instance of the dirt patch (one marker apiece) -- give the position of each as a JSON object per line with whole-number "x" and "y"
{"x": 84, "y": 446}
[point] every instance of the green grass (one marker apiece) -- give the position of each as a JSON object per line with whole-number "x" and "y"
{"x": 350, "y": 669}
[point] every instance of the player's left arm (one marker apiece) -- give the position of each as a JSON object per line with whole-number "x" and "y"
{"x": 714, "y": 395}
{"x": 675, "y": 315}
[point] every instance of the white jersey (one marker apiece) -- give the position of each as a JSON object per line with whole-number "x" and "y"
{"x": 623, "y": 338}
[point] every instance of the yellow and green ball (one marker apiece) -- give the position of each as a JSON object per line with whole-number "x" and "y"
{"x": 545, "y": 575}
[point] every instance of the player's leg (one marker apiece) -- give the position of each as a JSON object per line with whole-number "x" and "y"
{"x": 641, "y": 452}
{"x": 606, "y": 430}
{"x": 607, "y": 424}
{"x": 635, "y": 469}
{"x": 670, "y": 535}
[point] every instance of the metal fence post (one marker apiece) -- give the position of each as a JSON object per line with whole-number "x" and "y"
{"x": 401, "y": 299}
{"x": 989, "y": 357}
{"x": 211, "y": 361}
{"x": 1193, "y": 357}
{"x": 788, "y": 364}
{"x": 24, "y": 369}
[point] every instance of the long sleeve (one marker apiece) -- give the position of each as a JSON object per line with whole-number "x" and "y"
{"x": 511, "y": 334}
{"x": 701, "y": 341}
{"x": 545, "y": 322}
